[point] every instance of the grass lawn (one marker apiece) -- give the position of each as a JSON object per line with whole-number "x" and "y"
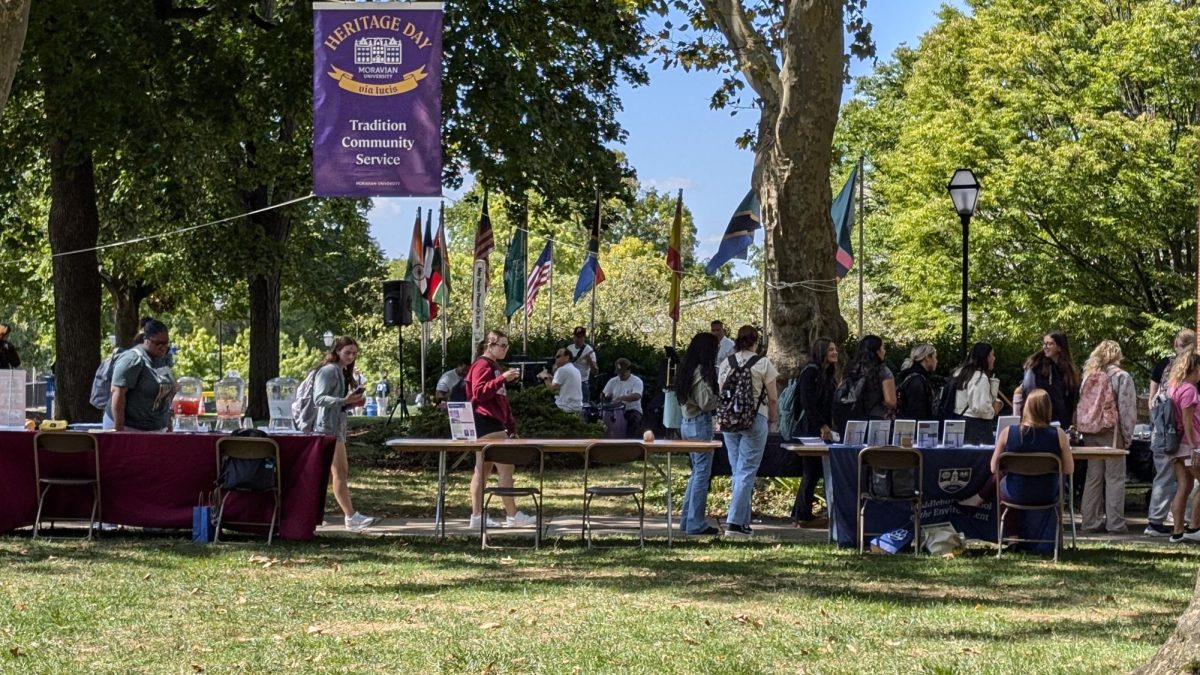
{"x": 375, "y": 604}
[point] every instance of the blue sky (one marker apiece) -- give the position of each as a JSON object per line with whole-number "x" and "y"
{"x": 675, "y": 140}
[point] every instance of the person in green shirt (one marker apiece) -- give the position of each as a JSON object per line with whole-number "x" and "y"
{"x": 142, "y": 384}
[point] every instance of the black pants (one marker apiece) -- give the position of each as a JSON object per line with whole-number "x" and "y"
{"x": 802, "y": 509}
{"x": 633, "y": 424}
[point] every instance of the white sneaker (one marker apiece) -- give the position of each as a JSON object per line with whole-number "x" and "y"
{"x": 358, "y": 522}
{"x": 1192, "y": 536}
{"x": 520, "y": 519}
{"x": 475, "y": 522}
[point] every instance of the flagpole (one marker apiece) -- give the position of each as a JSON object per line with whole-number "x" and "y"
{"x": 595, "y": 271}
{"x": 862, "y": 245}
{"x": 445, "y": 277}
{"x": 525, "y": 266}
{"x": 550, "y": 312}
{"x": 424, "y": 346}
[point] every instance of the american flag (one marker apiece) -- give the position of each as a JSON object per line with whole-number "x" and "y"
{"x": 539, "y": 276}
{"x": 484, "y": 241}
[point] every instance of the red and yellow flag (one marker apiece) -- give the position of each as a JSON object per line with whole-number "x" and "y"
{"x": 675, "y": 258}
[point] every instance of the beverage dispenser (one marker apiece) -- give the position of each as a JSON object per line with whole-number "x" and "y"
{"x": 281, "y": 394}
{"x": 186, "y": 406}
{"x": 230, "y": 394}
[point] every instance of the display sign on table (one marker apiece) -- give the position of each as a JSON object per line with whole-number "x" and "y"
{"x": 856, "y": 433}
{"x": 904, "y": 432}
{"x": 12, "y": 398}
{"x": 462, "y": 421}
{"x": 954, "y": 433}
{"x": 1005, "y": 422}
{"x": 877, "y": 432}
{"x": 927, "y": 434}
{"x": 377, "y": 95}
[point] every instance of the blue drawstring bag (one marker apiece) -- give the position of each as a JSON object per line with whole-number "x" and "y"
{"x": 202, "y": 523}
{"x": 893, "y": 542}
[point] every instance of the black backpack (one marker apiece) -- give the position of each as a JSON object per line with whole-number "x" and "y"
{"x": 458, "y": 393}
{"x": 946, "y": 399}
{"x": 240, "y": 473}
{"x": 849, "y": 402}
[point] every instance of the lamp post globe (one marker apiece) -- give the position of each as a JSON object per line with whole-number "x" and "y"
{"x": 964, "y": 192}
{"x": 328, "y": 338}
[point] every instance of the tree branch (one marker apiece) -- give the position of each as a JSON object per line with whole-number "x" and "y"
{"x": 755, "y": 59}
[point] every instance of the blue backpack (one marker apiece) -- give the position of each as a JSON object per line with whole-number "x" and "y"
{"x": 1164, "y": 437}
{"x": 787, "y": 406}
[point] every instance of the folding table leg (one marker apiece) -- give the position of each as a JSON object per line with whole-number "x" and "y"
{"x": 439, "y": 521}
{"x": 1071, "y": 505}
{"x": 670, "y": 507}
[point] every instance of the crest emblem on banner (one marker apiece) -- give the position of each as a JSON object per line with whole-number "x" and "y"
{"x": 953, "y": 480}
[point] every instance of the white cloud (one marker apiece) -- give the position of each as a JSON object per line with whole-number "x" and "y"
{"x": 669, "y": 183}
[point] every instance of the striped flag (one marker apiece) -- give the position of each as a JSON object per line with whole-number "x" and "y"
{"x": 675, "y": 258}
{"x": 843, "y": 224}
{"x": 424, "y": 283}
{"x": 416, "y": 271}
{"x": 439, "y": 270}
{"x": 484, "y": 240}
{"x": 590, "y": 274}
{"x": 739, "y": 234}
{"x": 539, "y": 276}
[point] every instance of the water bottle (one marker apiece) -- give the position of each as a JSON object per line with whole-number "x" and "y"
{"x": 372, "y": 408}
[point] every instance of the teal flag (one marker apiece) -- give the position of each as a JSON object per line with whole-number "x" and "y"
{"x": 514, "y": 275}
{"x": 843, "y": 224}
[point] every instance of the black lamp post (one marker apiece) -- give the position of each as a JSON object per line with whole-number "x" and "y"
{"x": 219, "y": 304}
{"x": 964, "y": 191}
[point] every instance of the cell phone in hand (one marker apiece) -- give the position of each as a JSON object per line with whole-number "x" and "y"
{"x": 360, "y": 391}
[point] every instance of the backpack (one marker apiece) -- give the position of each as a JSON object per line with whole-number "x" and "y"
{"x": 787, "y": 406}
{"x": 304, "y": 408}
{"x": 848, "y": 402}
{"x": 102, "y": 381}
{"x": 737, "y": 408}
{"x": 1164, "y": 437}
{"x": 901, "y": 401}
{"x": 458, "y": 393}
{"x": 1097, "y": 409}
{"x": 946, "y": 399}
{"x": 242, "y": 473}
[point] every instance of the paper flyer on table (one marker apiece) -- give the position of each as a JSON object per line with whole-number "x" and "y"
{"x": 462, "y": 421}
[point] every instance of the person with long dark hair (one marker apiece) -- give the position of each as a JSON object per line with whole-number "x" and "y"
{"x": 915, "y": 392}
{"x": 696, "y": 389}
{"x": 333, "y": 396}
{"x": 813, "y": 415}
{"x": 878, "y": 398}
{"x": 746, "y": 446}
{"x": 977, "y": 394}
{"x": 8, "y": 353}
{"x": 1051, "y": 369}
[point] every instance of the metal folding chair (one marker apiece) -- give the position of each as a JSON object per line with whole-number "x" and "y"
{"x": 520, "y": 456}
{"x": 1030, "y": 464}
{"x": 890, "y": 458}
{"x": 66, "y": 443}
{"x": 245, "y": 447}
{"x": 614, "y": 454}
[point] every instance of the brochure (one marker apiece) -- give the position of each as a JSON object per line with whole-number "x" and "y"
{"x": 462, "y": 421}
{"x": 877, "y": 432}
{"x": 927, "y": 434}
{"x": 904, "y": 432}
{"x": 856, "y": 433}
{"x": 953, "y": 433}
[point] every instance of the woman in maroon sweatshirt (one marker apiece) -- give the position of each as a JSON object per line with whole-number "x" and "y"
{"x": 487, "y": 391}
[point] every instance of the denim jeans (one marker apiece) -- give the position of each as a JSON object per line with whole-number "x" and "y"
{"x": 1163, "y": 491}
{"x": 745, "y": 450}
{"x": 695, "y": 499}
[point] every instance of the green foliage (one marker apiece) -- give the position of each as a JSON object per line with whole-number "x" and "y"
{"x": 1083, "y": 133}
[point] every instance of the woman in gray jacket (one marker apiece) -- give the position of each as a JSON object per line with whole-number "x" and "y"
{"x": 333, "y": 398}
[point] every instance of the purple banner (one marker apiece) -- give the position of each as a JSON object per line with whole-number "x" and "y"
{"x": 377, "y": 99}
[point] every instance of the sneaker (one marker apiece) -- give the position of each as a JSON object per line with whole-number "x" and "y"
{"x": 1193, "y": 536}
{"x": 738, "y": 531}
{"x": 519, "y": 519}
{"x": 706, "y": 532}
{"x": 475, "y": 522}
{"x": 1156, "y": 530}
{"x": 358, "y": 522}
{"x": 1176, "y": 538}
{"x": 816, "y": 522}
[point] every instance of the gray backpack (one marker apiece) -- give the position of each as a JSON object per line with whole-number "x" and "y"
{"x": 304, "y": 408}
{"x": 102, "y": 381}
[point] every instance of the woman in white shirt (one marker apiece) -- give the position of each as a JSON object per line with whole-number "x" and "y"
{"x": 976, "y": 397}
{"x": 745, "y": 447}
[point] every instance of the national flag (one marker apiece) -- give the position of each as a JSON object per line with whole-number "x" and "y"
{"x": 539, "y": 276}
{"x": 843, "y": 224}
{"x": 439, "y": 270}
{"x": 739, "y": 234}
{"x": 484, "y": 240}
{"x": 514, "y": 274}
{"x": 674, "y": 258}
{"x": 430, "y": 266}
{"x": 415, "y": 273}
{"x": 591, "y": 274}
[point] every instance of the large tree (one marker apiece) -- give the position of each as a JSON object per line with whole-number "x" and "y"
{"x": 14, "y": 21}
{"x": 792, "y": 55}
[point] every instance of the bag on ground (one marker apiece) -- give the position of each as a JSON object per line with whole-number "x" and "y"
{"x": 304, "y": 408}
{"x": 203, "y": 528}
{"x": 1164, "y": 436}
{"x": 892, "y": 542}
{"x": 738, "y": 406}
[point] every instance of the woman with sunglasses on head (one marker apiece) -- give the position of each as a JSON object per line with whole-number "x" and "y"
{"x": 333, "y": 397}
{"x": 142, "y": 384}
{"x": 487, "y": 391}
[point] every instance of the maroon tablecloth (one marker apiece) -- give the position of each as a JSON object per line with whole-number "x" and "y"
{"x": 154, "y": 480}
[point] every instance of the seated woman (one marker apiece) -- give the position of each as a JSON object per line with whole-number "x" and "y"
{"x": 1034, "y": 434}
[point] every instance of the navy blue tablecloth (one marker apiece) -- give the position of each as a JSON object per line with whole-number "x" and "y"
{"x": 950, "y": 475}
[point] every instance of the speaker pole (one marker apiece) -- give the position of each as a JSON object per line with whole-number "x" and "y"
{"x": 400, "y": 402}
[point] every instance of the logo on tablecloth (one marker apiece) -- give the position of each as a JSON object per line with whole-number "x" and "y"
{"x": 953, "y": 480}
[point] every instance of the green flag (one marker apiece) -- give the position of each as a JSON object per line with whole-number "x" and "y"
{"x": 514, "y": 275}
{"x": 415, "y": 274}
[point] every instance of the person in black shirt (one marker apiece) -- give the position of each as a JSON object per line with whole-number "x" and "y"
{"x": 1051, "y": 369}
{"x": 813, "y": 414}
{"x": 914, "y": 392}
{"x": 8, "y": 353}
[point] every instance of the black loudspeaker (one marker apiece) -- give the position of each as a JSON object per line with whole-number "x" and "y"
{"x": 397, "y": 303}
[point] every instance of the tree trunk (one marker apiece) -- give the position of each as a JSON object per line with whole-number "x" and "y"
{"x": 264, "y": 286}
{"x": 1181, "y": 653}
{"x": 14, "y": 21}
{"x": 791, "y": 174}
{"x": 74, "y": 224}
{"x": 127, "y": 300}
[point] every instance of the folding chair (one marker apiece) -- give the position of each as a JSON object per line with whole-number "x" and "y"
{"x": 612, "y": 454}
{"x": 1030, "y": 464}
{"x": 66, "y": 443}
{"x": 520, "y": 456}
{"x": 890, "y": 458}
{"x": 250, "y": 448}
